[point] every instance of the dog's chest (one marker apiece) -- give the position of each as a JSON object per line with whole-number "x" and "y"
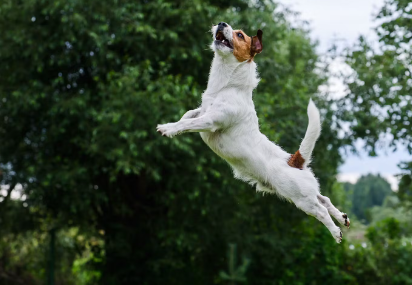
{"x": 239, "y": 121}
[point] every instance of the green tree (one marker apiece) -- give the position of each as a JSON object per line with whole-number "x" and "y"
{"x": 370, "y": 190}
{"x": 405, "y": 183}
{"x": 378, "y": 103}
{"x": 83, "y": 85}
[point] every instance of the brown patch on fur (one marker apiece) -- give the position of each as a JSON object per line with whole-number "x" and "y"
{"x": 296, "y": 160}
{"x": 241, "y": 46}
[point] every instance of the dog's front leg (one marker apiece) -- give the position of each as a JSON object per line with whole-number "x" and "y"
{"x": 205, "y": 123}
{"x": 191, "y": 114}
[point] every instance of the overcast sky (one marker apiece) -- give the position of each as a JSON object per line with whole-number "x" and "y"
{"x": 342, "y": 19}
{"x": 346, "y": 20}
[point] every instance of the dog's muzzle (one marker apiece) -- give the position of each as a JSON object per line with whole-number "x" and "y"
{"x": 220, "y": 37}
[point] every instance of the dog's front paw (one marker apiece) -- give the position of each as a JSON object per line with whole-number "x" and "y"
{"x": 168, "y": 130}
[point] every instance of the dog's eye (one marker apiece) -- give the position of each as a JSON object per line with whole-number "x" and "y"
{"x": 240, "y": 35}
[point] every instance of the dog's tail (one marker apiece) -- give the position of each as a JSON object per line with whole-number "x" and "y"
{"x": 312, "y": 133}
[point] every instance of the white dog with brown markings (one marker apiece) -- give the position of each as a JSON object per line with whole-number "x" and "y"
{"x": 228, "y": 124}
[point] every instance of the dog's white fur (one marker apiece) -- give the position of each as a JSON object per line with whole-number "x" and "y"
{"x": 228, "y": 124}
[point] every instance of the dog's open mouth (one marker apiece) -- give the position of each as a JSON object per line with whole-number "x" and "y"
{"x": 222, "y": 39}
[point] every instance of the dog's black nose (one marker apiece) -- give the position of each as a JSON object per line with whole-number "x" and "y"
{"x": 221, "y": 26}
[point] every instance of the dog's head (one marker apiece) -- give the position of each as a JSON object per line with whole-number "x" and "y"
{"x": 229, "y": 42}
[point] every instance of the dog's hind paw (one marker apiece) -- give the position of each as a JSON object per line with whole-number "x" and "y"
{"x": 337, "y": 234}
{"x": 347, "y": 221}
{"x": 339, "y": 238}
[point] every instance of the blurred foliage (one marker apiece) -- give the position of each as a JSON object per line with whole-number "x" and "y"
{"x": 370, "y": 190}
{"x": 383, "y": 259}
{"x": 405, "y": 184}
{"x": 381, "y": 253}
{"x": 377, "y": 109}
{"x": 82, "y": 87}
{"x": 378, "y": 103}
{"x": 235, "y": 273}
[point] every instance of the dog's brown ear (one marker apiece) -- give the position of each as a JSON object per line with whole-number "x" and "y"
{"x": 257, "y": 43}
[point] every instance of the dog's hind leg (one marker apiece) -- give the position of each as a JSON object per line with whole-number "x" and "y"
{"x": 313, "y": 208}
{"x": 339, "y": 216}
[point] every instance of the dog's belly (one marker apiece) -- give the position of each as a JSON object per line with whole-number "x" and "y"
{"x": 251, "y": 155}
{"x": 226, "y": 146}
{"x": 222, "y": 144}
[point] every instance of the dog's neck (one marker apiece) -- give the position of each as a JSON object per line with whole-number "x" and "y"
{"x": 227, "y": 72}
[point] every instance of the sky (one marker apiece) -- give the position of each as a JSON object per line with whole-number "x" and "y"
{"x": 345, "y": 21}
{"x": 331, "y": 19}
